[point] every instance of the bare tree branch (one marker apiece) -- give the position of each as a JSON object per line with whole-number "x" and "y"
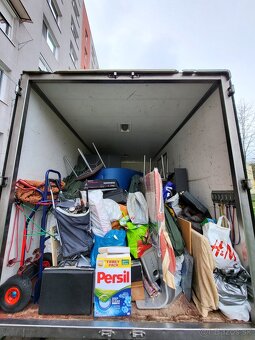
{"x": 246, "y": 119}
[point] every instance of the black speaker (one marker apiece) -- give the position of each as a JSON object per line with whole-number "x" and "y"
{"x": 66, "y": 291}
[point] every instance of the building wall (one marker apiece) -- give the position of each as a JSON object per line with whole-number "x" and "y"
{"x": 26, "y": 47}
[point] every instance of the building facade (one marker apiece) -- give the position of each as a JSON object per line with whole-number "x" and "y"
{"x": 46, "y": 35}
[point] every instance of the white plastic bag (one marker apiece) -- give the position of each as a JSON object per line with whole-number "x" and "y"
{"x": 219, "y": 239}
{"x": 137, "y": 208}
{"x": 113, "y": 209}
{"x": 100, "y": 220}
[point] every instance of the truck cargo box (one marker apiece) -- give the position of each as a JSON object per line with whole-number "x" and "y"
{"x": 188, "y": 118}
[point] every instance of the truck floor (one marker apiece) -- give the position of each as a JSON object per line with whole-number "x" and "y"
{"x": 179, "y": 311}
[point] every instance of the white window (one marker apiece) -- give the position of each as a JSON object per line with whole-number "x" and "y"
{"x": 4, "y": 25}
{"x": 74, "y": 30}
{"x": 51, "y": 41}
{"x": 3, "y": 84}
{"x": 55, "y": 10}
{"x": 43, "y": 66}
{"x": 75, "y": 8}
{"x": 73, "y": 54}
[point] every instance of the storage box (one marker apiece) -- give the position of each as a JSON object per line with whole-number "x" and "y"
{"x": 66, "y": 290}
{"x": 112, "y": 294}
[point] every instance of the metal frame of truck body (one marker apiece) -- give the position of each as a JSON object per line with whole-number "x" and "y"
{"x": 118, "y": 329}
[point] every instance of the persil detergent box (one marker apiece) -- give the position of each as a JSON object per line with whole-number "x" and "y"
{"x": 112, "y": 295}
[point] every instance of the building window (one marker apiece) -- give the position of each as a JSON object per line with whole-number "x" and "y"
{"x": 74, "y": 30}
{"x": 51, "y": 41}
{"x": 75, "y": 8}
{"x": 73, "y": 54}
{"x": 55, "y": 10}
{"x": 86, "y": 35}
{"x": 4, "y": 25}
{"x": 3, "y": 84}
{"x": 43, "y": 66}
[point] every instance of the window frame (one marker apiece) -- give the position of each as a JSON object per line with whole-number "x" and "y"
{"x": 7, "y": 31}
{"x": 50, "y": 39}
{"x": 3, "y": 85}
{"x": 74, "y": 30}
{"x": 55, "y": 11}
{"x": 45, "y": 65}
{"x": 73, "y": 54}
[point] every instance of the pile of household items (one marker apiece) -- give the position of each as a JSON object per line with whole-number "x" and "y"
{"x": 110, "y": 236}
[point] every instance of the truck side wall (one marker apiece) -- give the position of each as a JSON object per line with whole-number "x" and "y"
{"x": 201, "y": 147}
{"x": 46, "y": 141}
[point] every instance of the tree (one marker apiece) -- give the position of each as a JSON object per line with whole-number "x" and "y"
{"x": 246, "y": 119}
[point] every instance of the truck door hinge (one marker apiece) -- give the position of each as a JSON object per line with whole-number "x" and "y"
{"x": 3, "y": 181}
{"x": 246, "y": 184}
{"x": 106, "y": 333}
{"x": 113, "y": 75}
{"x": 231, "y": 90}
{"x": 137, "y": 334}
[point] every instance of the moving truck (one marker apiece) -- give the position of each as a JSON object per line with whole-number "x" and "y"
{"x": 189, "y": 116}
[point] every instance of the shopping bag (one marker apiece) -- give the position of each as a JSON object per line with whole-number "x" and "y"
{"x": 113, "y": 238}
{"x": 137, "y": 208}
{"x": 138, "y": 239}
{"x": 219, "y": 239}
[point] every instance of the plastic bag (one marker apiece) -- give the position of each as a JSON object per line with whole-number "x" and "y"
{"x": 137, "y": 208}
{"x": 137, "y": 238}
{"x": 113, "y": 209}
{"x": 100, "y": 220}
{"x": 232, "y": 291}
{"x": 113, "y": 238}
{"x": 219, "y": 239}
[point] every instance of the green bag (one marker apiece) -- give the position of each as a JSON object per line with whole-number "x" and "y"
{"x": 174, "y": 233}
{"x": 137, "y": 238}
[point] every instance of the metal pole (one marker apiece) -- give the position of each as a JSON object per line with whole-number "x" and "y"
{"x": 163, "y": 167}
{"x": 68, "y": 162}
{"x": 144, "y": 168}
{"x": 99, "y": 155}
{"x": 84, "y": 158}
{"x": 150, "y": 164}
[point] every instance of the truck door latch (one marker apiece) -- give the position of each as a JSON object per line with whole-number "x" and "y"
{"x": 137, "y": 334}
{"x": 134, "y": 75}
{"x": 106, "y": 333}
{"x": 3, "y": 181}
{"x": 246, "y": 184}
{"x": 113, "y": 75}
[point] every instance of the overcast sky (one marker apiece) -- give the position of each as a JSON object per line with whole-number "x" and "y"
{"x": 177, "y": 34}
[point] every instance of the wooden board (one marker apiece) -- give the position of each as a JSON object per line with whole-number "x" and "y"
{"x": 185, "y": 227}
{"x": 54, "y": 247}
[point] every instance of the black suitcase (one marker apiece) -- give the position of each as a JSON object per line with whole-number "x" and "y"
{"x": 66, "y": 291}
{"x": 119, "y": 195}
{"x": 194, "y": 203}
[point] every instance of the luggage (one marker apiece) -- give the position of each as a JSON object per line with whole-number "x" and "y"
{"x": 119, "y": 195}
{"x": 66, "y": 291}
{"x": 188, "y": 199}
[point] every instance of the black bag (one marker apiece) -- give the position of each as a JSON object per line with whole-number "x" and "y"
{"x": 74, "y": 230}
{"x": 119, "y": 195}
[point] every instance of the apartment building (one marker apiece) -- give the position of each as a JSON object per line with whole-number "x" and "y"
{"x": 48, "y": 35}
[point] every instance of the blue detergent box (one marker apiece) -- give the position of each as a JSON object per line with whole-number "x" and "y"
{"x": 112, "y": 294}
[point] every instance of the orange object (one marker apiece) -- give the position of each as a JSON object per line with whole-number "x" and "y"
{"x": 116, "y": 225}
{"x": 29, "y": 191}
{"x": 123, "y": 209}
